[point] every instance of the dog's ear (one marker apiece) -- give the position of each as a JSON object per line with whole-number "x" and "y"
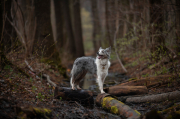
{"x": 108, "y": 49}
{"x": 100, "y": 48}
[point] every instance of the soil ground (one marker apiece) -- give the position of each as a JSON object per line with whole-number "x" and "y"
{"x": 17, "y": 90}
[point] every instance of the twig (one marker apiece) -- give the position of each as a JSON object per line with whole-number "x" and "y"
{"x": 29, "y": 66}
{"x": 45, "y": 75}
{"x": 116, "y": 50}
{"x": 48, "y": 79}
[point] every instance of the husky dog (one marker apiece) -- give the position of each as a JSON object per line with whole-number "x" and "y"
{"x": 98, "y": 67}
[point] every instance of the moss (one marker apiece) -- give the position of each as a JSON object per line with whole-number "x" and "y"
{"x": 137, "y": 112}
{"x": 121, "y": 102}
{"x": 111, "y": 83}
{"x": 177, "y": 112}
{"x": 169, "y": 117}
{"x": 104, "y": 102}
{"x": 48, "y": 111}
{"x": 114, "y": 110}
{"x": 132, "y": 79}
{"x": 42, "y": 112}
{"x": 38, "y": 111}
{"x": 159, "y": 112}
{"x": 22, "y": 115}
{"x": 170, "y": 108}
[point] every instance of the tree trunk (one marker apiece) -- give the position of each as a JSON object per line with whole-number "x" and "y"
{"x": 178, "y": 26}
{"x": 53, "y": 16}
{"x": 96, "y": 25}
{"x": 44, "y": 35}
{"x": 156, "y": 21}
{"x": 102, "y": 20}
{"x": 110, "y": 20}
{"x": 78, "y": 29}
{"x": 68, "y": 28}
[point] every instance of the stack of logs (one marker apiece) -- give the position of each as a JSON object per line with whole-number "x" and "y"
{"x": 124, "y": 91}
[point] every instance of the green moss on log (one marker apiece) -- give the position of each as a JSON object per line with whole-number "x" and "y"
{"x": 114, "y": 110}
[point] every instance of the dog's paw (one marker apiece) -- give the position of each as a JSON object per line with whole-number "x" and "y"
{"x": 79, "y": 88}
{"x": 102, "y": 92}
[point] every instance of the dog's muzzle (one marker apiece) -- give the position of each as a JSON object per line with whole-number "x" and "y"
{"x": 99, "y": 56}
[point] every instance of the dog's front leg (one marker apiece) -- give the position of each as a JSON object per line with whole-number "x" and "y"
{"x": 100, "y": 83}
{"x": 102, "y": 79}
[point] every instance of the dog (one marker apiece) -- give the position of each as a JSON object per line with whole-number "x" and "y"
{"x": 97, "y": 67}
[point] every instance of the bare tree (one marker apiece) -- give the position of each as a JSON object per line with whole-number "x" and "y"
{"x": 24, "y": 23}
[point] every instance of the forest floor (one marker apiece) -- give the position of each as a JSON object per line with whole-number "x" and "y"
{"x": 22, "y": 93}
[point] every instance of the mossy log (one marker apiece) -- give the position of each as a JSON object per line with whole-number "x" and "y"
{"x": 155, "y": 98}
{"x": 149, "y": 81}
{"x": 28, "y": 111}
{"x": 108, "y": 102}
{"x": 126, "y": 90}
{"x": 84, "y": 97}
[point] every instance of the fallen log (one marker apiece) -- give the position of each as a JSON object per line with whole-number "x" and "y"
{"x": 154, "y": 98}
{"x": 173, "y": 108}
{"x": 149, "y": 81}
{"x": 28, "y": 111}
{"x": 126, "y": 90}
{"x": 84, "y": 97}
{"x": 108, "y": 102}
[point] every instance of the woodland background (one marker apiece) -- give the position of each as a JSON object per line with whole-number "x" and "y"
{"x": 42, "y": 38}
{"x": 67, "y": 29}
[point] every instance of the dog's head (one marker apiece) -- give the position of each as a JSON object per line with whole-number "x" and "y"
{"x": 104, "y": 53}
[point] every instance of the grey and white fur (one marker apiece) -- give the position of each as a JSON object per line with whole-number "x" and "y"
{"x": 97, "y": 67}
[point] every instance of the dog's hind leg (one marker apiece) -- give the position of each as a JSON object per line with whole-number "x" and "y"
{"x": 80, "y": 78}
{"x": 72, "y": 83}
{"x": 78, "y": 87}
